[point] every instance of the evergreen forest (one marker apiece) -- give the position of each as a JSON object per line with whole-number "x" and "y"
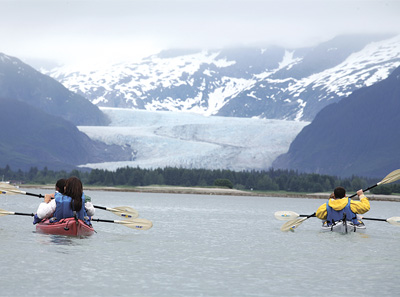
{"x": 270, "y": 180}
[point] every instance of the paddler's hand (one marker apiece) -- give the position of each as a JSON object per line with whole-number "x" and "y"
{"x": 360, "y": 194}
{"x": 36, "y": 219}
{"x": 47, "y": 198}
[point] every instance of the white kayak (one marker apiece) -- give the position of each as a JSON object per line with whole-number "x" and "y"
{"x": 343, "y": 227}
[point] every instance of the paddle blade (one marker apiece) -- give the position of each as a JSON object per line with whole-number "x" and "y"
{"x": 8, "y": 189}
{"x": 391, "y": 177}
{"x": 5, "y": 212}
{"x": 8, "y": 192}
{"x": 125, "y": 212}
{"x": 140, "y": 224}
{"x": 292, "y": 224}
{"x": 394, "y": 221}
{"x": 286, "y": 215}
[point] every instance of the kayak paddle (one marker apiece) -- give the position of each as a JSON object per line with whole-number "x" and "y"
{"x": 140, "y": 224}
{"x": 393, "y": 220}
{"x": 122, "y": 211}
{"x": 6, "y": 213}
{"x": 391, "y": 177}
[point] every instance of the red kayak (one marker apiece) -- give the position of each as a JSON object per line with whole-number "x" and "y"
{"x": 69, "y": 227}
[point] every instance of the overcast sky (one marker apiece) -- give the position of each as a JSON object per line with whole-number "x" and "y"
{"x": 70, "y": 31}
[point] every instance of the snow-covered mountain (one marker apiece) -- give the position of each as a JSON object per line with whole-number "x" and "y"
{"x": 271, "y": 83}
{"x": 176, "y": 139}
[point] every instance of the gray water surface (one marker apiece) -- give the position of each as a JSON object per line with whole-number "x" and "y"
{"x": 200, "y": 245}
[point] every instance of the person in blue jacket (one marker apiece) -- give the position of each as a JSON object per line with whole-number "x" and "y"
{"x": 339, "y": 204}
{"x": 69, "y": 204}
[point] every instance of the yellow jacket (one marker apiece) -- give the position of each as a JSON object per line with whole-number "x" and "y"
{"x": 358, "y": 207}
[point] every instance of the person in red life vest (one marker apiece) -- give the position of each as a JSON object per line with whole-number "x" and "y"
{"x": 69, "y": 204}
{"x": 339, "y": 206}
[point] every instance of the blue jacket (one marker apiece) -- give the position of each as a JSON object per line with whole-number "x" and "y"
{"x": 64, "y": 210}
{"x": 337, "y": 215}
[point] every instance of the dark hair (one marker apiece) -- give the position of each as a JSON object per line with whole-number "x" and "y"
{"x": 339, "y": 192}
{"x": 60, "y": 185}
{"x": 74, "y": 189}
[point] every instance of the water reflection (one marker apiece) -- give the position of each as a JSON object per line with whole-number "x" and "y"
{"x": 48, "y": 239}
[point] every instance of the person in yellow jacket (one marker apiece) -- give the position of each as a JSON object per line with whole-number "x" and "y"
{"x": 338, "y": 205}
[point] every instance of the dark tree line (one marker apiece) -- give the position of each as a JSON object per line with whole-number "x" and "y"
{"x": 270, "y": 180}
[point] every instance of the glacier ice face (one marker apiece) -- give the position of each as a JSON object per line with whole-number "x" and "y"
{"x": 178, "y": 139}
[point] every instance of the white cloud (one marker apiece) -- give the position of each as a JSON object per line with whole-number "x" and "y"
{"x": 114, "y": 30}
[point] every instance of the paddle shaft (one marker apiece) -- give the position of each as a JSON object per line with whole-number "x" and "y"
{"x": 32, "y": 215}
{"x": 36, "y": 195}
{"x": 21, "y": 214}
{"x": 140, "y": 224}
{"x": 367, "y": 189}
{"x": 103, "y": 221}
{"x": 374, "y": 219}
{"x": 116, "y": 222}
{"x": 24, "y": 214}
{"x": 309, "y": 216}
{"x": 41, "y": 196}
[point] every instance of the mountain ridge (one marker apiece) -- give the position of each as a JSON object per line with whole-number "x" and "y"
{"x": 272, "y": 83}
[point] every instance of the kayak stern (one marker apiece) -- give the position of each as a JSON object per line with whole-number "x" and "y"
{"x": 68, "y": 227}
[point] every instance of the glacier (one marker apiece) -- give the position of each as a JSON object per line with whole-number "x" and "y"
{"x": 162, "y": 139}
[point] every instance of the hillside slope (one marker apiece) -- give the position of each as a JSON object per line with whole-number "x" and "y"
{"x": 31, "y": 138}
{"x": 20, "y": 81}
{"x": 356, "y": 136}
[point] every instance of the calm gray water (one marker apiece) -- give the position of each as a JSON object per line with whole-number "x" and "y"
{"x": 199, "y": 245}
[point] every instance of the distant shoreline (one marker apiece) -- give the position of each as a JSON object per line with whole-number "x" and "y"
{"x": 215, "y": 191}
